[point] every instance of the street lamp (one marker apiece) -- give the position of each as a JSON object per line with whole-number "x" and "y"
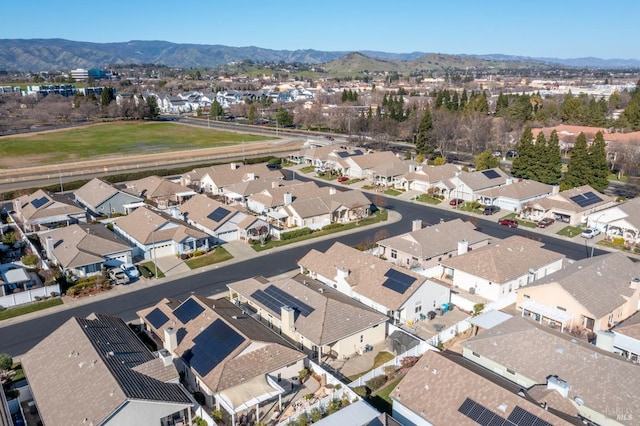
{"x": 153, "y": 247}
{"x": 60, "y": 177}
{"x": 593, "y": 245}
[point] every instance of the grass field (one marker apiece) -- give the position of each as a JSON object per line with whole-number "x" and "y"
{"x": 219, "y": 255}
{"x": 116, "y": 138}
{"x": 28, "y": 308}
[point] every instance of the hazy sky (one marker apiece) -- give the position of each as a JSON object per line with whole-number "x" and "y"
{"x": 541, "y": 28}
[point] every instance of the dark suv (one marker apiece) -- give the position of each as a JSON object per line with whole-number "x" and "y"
{"x": 490, "y": 210}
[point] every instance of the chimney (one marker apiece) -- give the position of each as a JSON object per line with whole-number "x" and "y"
{"x": 170, "y": 339}
{"x": 287, "y": 320}
{"x": 48, "y": 247}
{"x": 17, "y": 207}
{"x": 416, "y": 225}
{"x": 554, "y": 383}
{"x": 508, "y": 181}
{"x": 251, "y": 176}
{"x": 342, "y": 273}
{"x": 288, "y": 198}
{"x": 463, "y": 247}
{"x": 556, "y": 189}
{"x": 234, "y": 166}
{"x": 166, "y": 357}
{"x": 332, "y": 190}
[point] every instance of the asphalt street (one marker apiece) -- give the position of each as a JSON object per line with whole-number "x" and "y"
{"x": 18, "y": 338}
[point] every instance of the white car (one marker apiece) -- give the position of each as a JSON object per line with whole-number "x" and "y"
{"x": 130, "y": 269}
{"x": 118, "y": 276}
{"x": 590, "y": 233}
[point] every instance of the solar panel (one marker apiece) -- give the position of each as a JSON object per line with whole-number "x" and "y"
{"x": 218, "y": 214}
{"x": 212, "y": 346}
{"x": 466, "y": 406}
{"x": 522, "y": 417}
{"x": 39, "y": 202}
{"x": 267, "y": 301}
{"x": 188, "y": 311}
{"x": 586, "y": 199}
{"x": 485, "y": 417}
{"x": 491, "y": 174}
{"x": 157, "y": 318}
{"x": 398, "y": 281}
{"x": 287, "y": 300}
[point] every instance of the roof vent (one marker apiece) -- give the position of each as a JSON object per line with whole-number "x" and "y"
{"x": 502, "y": 407}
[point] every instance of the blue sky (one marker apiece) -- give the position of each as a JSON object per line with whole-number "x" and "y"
{"x": 542, "y": 28}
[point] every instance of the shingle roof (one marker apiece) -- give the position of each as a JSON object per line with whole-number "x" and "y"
{"x": 154, "y": 187}
{"x": 273, "y": 197}
{"x": 77, "y": 245}
{"x": 259, "y": 350}
{"x": 43, "y": 204}
{"x": 95, "y": 192}
{"x": 433, "y": 174}
{"x": 479, "y": 180}
{"x": 224, "y": 175}
{"x": 198, "y": 209}
{"x": 602, "y": 380}
{"x": 519, "y": 190}
{"x": 601, "y": 284}
{"x": 562, "y": 200}
{"x": 327, "y": 203}
{"x": 143, "y": 220}
{"x": 435, "y": 240}
{"x": 436, "y": 387}
{"x": 86, "y": 370}
{"x": 366, "y": 273}
{"x": 334, "y": 316}
{"x": 505, "y": 260}
{"x": 375, "y": 159}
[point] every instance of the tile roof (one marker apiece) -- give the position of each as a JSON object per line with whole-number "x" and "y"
{"x": 433, "y": 173}
{"x": 632, "y": 210}
{"x": 375, "y": 159}
{"x": 366, "y": 273}
{"x": 153, "y": 187}
{"x": 86, "y": 369}
{"x": 601, "y": 284}
{"x": 77, "y": 245}
{"x": 274, "y": 197}
{"x": 601, "y": 379}
{"x": 435, "y": 240}
{"x": 251, "y": 187}
{"x": 327, "y": 203}
{"x": 630, "y": 327}
{"x": 259, "y": 351}
{"x": 436, "y": 387}
{"x": 562, "y": 200}
{"x": 140, "y": 222}
{"x": 334, "y": 316}
{"x": 504, "y": 260}
{"x": 225, "y": 174}
{"x": 43, "y": 204}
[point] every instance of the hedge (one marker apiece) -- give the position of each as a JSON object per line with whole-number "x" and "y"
{"x": 331, "y": 226}
{"x": 375, "y": 382}
{"x": 295, "y": 234}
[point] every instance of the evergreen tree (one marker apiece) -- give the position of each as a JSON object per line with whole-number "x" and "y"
{"x": 522, "y": 164}
{"x": 598, "y": 178}
{"x": 538, "y": 164}
{"x": 424, "y": 142}
{"x": 216, "y": 109}
{"x": 152, "y": 104}
{"x": 463, "y": 100}
{"x": 485, "y": 160}
{"x": 253, "y": 113}
{"x": 344, "y": 95}
{"x": 107, "y": 96}
{"x": 578, "y": 168}
{"x": 553, "y": 160}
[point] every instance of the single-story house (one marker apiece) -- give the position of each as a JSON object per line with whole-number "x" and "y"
{"x": 501, "y": 268}
{"x": 424, "y": 178}
{"x": 468, "y": 185}
{"x": 44, "y": 210}
{"x": 270, "y": 199}
{"x": 95, "y": 371}
{"x": 619, "y": 221}
{"x": 514, "y": 194}
{"x": 214, "y": 179}
{"x": 158, "y": 191}
{"x": 594, "y": 293}
{"x": 319, "y": 320}
{"x": 103, "y": 199}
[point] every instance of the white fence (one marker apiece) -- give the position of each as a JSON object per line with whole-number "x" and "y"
{"x": 467, "y": 305}
{"x": 202, "y": 413}
{"x": 449, "y": 333}
{"x": 28, "y": 296}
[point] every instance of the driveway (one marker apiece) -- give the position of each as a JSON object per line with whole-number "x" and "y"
{"x": 172, "y": 266}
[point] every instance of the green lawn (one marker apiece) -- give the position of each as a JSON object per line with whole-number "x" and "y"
{"x": 392, "y": 192}
{"x": 117, "y": 138}
{"x": 307, "y": 169}
{"x": 31, "y": 307}
{"x": 218, "y": 255}
{"x": 525, "y": 223}
{"x": 424, "y": 198}
{"x": 381, "y": 399}
{"x": 150, "y": 266}
{"x": 379, "y": 216}
{"x": 569, "y": 231}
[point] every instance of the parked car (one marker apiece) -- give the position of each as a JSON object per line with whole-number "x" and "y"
{"x": 590, "y": 232}
{"x": 511, "y": 223}
{"x": 547, "y": 221}
{"x": 489, "y": 210}
{"x": 456, "y": 201}
{"x": 130, "y": 269}
{"x": 118, "y": 276}
{"x": 343, "y": 179}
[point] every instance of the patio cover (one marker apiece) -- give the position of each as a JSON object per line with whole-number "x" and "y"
{"x": 546, "y": 311}
{"x": 489, "y": 319}
{"x": 277, "y": 215}
{"x": 14, "y": 276}
{"x": 248, "y": 394}
{"x": 626, "y": 343}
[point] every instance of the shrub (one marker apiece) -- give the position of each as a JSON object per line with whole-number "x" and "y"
{"x": 333, "y": 406}
{"x": 199, "y": 421}
{"x": 316, "y": 414}
{"x": 295, "y": 234}
{"x": 375, "y": 382}
{"x": 30, "y": 259}
{"x": 302, "y": 420}
{"x": 144, "y": 271}
{"x": 217, "y": 415}
{"x": 5, "y": 362}
{"x": 362, "y": 391}
{"x": 390, "y": 370}
{"x": 308, "y": 396}
{"x": 408, "y": 361}
{"x": 618, "y": 240}
{"x": 331, "y": 226}
{"x": 198, "y": 253}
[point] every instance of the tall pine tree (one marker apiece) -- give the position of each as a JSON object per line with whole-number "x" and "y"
{"x": 578, "y": 168}
{"x": 424, "y": 142}
{"x": 523, "y": 163}
{"x": 598, "y": 178}
{"x": 553, "y": 160}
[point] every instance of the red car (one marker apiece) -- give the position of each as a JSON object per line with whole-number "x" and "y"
{"x": 456, "y": 201}
{"x": 511, "y": 223}
{"x": 343, "y": 179}
{"x": 547, "y": 221}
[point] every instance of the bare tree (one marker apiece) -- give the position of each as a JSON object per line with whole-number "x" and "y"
{"x": 477, "y": 127}
{"x": 445, "y": 131}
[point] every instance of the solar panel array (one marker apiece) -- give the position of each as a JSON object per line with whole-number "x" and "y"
{"x": 39, "y": 202}
{"x": 212, "y": 346}
{"x": 218, "y": 214}
{"x": 586, "y": 199}
{"x": 157, "y": 318}
{"x": 485, "y": 417}
{"x": 188, "y": 311}
{"x": 491, "y": 174}
{"x": 274, "y": 299}
{"x": 398, "y": 281}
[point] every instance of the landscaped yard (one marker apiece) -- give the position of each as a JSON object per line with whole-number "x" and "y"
{"x": 569, "y": 231}
{"x": 28, "y": 308}
{"x": 392, "y": 192}
{"x": 379, "y": 216}
{"x": 381, "y": 358}
{"x": 307, "y": 169}
{"x": 381, "y": 399}
{"x": 114, "y": 138}
{"x": 525, "y": 223}
{"x": 424, "y": 198}
{"x": 214, "y": 256}
{"x": 149, "y": 268}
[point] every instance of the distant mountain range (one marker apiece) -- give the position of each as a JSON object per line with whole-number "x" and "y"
{"x": 60, "y": 54}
